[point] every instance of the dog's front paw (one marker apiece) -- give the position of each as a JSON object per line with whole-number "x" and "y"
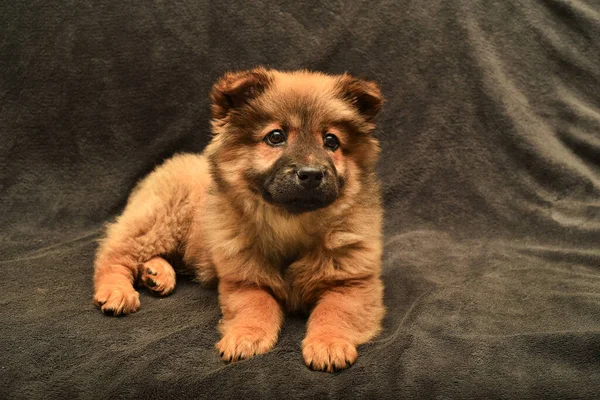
{"x": 327, "y": 353}
{"x": 117, "y": 300}
{"x": 240, "y": 343}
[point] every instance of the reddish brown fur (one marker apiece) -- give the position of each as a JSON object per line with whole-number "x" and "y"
{"x": 267, "y": 260}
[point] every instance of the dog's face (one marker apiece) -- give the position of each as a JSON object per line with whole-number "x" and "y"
{"x": 301, "y": 175}
{"x": 294, "y": 140}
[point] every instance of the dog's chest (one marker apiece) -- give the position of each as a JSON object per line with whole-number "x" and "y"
{"x": 286, "y": 262}
{"x": 283, "y": 239}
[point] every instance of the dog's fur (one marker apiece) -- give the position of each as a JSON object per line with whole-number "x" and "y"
{"x": 222, "y": 211}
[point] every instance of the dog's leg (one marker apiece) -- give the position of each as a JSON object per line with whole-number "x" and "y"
{"x": 153, "y": 224}
{"x": 251, "y": 321}
{"x": 131, "y": 250}
{"x": 344, "y": 317}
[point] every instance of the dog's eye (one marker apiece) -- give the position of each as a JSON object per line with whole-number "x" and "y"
{"x": 331, "y": 142}
{"x": 275, "y": 137}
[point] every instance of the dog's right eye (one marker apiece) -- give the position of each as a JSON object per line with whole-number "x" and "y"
{"x": 275, "y": 137}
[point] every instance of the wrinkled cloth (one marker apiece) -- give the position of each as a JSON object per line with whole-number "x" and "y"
{"x": 490, "y": 172}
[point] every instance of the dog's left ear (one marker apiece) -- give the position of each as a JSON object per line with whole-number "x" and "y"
{"x": 234, "y": 89}
{"x": 364, "y": 95}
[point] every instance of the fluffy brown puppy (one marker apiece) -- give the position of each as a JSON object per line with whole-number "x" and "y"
{"x": 283, "y": 208}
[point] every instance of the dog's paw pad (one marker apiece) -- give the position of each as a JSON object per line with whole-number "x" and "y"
{"x": 158, "y": 276}
{"x": 117, "y": 300}
{"x": 150, "y": 282}
{"x": 328, "y": 354}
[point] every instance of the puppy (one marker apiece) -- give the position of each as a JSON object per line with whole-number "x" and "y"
{"x": 282, "y": 209}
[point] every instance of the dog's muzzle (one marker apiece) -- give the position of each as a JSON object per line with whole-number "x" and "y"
{"x": 302, "y": 188}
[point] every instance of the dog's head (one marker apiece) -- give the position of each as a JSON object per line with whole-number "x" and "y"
{"x": 297, "y": 140}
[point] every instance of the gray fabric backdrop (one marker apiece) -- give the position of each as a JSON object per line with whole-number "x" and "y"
{"x": 490, "y": 170}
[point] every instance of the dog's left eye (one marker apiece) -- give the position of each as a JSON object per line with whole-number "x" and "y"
{"x": 275, "y": 137}
{"x": 331, "y": 141}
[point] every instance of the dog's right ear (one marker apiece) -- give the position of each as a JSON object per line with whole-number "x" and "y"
{"x": 234, "y": 89}
{"x": 364, "y": 95}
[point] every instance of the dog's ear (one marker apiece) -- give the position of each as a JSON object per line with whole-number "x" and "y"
{"x": 364, "y": 95}
{"x": 234, "y": 89}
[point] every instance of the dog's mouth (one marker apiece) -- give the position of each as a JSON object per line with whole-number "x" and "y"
{"x": 297, "y": 205}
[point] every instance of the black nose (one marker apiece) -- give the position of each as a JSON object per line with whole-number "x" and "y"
{"x": 310, "y": 177}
